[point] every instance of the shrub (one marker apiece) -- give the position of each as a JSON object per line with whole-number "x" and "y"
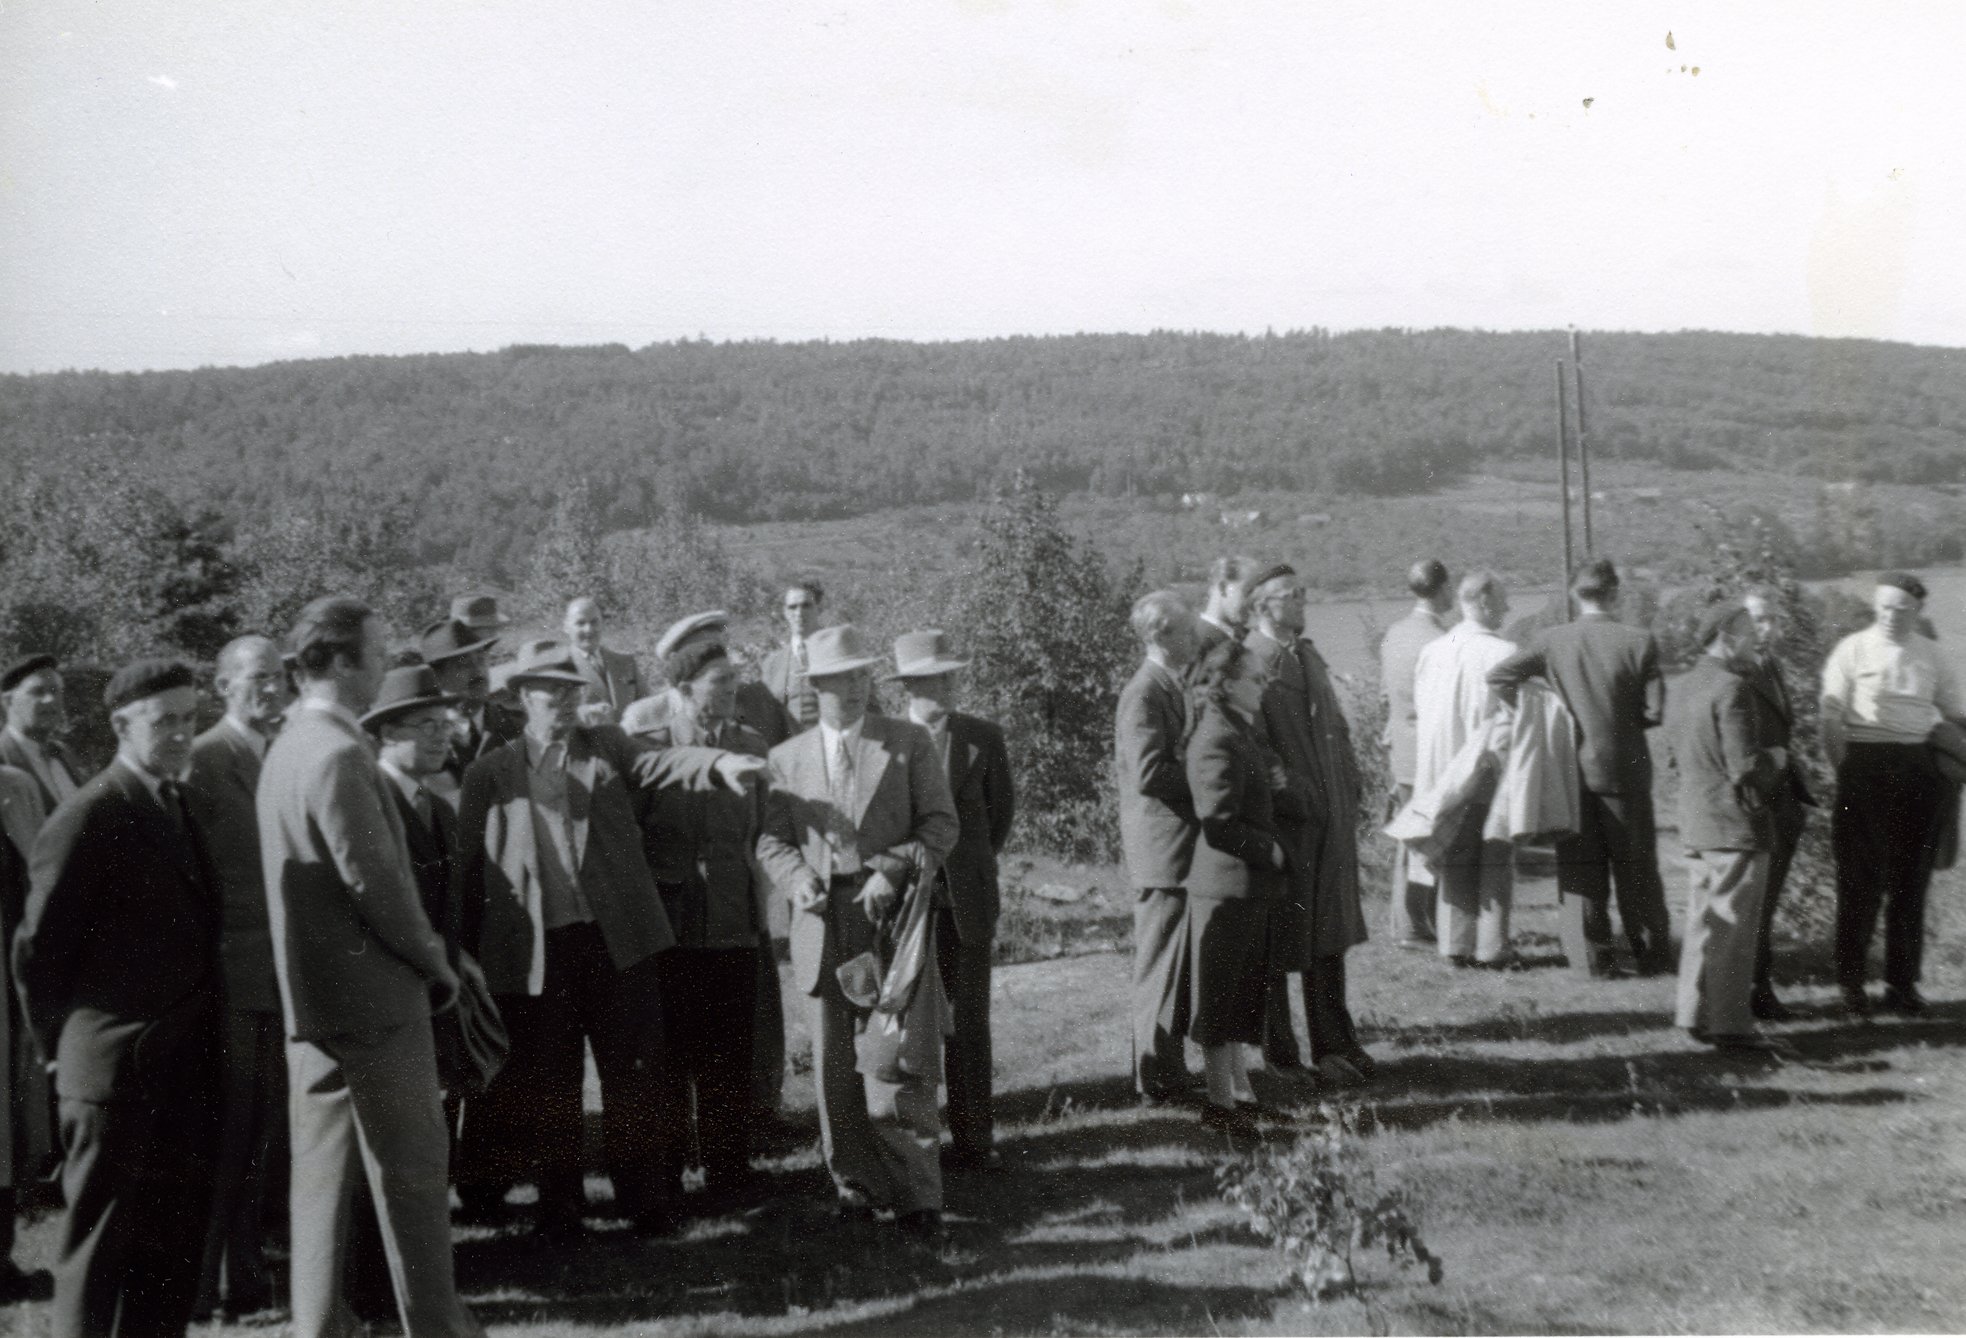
{"x": 1318, "y": 1201}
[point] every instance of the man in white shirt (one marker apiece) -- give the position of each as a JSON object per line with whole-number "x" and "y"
{"x": 1884, "y": 690}
{"x": 1412, "y": 899}
{"x": 787, "y": 670}
{"x": 612, "y": 678}
{"x": 31, "y": 690}
{"x": 1454, "y": 703}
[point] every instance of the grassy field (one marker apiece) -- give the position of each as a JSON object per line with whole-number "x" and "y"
{"x": 1580, "y": 1166}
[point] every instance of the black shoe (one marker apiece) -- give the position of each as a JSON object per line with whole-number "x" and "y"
{"x": 852, "y": 1210}
{"x": 1856, "y": 1003}
{"x": 1361, "y": 1061}
{"x": 22, "y": 1284}
{"x": 1745, "y": 1042}
{"x": 1906, "y": 1001}
{"x": 657, "y": 1221}
{"x": 1234, "y": 1121}
{"x": 973, "y": 1161}
{"x": 1461, "y": 961}
{"x": 481, "y": 1205}
{"x": 924, "y": 1224}
{"x": 559, "y": 1225}
{"x": 1767, "y": 1008}
{"x": 1654, "y": 964}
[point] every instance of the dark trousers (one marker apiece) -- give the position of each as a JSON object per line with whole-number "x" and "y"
{"x": 1883, "y": 830}
{"x": 767, "y": 1035}
{"x": 707, "y": 1000}
{"x": 966, "y": 1057}
{"x": 1617, "y": 845}
{"x": 1161, "y": 1000}
{"x": 528, "y": 1125}
{"x": 137, "y": 1178}
{"x": 1327, "y": 1017}
{"x": 249, "y": 1190}
{"x": 1790, "y": 817}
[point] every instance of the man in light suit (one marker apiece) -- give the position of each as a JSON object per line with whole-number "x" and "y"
{"x": 1399, "y": 655}
{"x": 117, "y": 962}
{"x": 564, "y": 914}
{"x": 858, "y": 817}
{"x": 1608, "y": 675}
{"x": 786, "y": 671}
{"x": 361, "y": 971}
{"x": 972, "y": 749}
{"x": 31, "y": 690}
{"x": 1157, "y": 839}
{"x": 610, "y": 679}
{"x": 225, "y": 763}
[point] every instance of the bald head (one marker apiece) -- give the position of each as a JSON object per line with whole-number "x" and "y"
{"x": 253, "y": 682}
{"x": 583, "y": 624}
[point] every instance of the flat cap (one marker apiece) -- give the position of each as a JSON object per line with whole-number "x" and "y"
{"x": 1268, "y": 574}
{"x": 1905, "y": 581}
{"x": 14, "y": 673}
{"x": 697, "y": 624}
{"x": 146, "y": 678}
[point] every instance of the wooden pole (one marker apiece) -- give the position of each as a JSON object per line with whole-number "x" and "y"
{"x": 1563, "y": 476}
{"x": 1583, "y": 442}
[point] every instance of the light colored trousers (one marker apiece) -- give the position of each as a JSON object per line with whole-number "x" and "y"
{"x": 1475, "y": 898}
{"x": 366, "y": 1105}
{"x": 1723, "y": 928}
{"x": 881, "y": 1140}
{"x": 1161, "y": 1005}
{"x": 1411, "y": 904}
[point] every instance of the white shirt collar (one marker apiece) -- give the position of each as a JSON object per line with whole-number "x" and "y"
{"x": 150, "y": 782}
{"x": 831, "y": 737}
{"x": 405, "y": 782}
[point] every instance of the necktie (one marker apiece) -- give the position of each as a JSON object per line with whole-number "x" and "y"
{"x": 840, "y": 797}
{"x": 172, "y": 798}
{"x": 421, "y": 803}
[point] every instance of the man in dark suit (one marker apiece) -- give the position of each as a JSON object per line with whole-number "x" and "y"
{"x": 361, "y": 971}
{"x": 1226, "y": 604}
{"x": 1725, "y": 780}
{"x": 20, "y": 818}
{"x": 786, "y": 671}
{"x": 225, "y": 764}
{"x": 411, "y": 725}
{"x": 858, "y": 817}
{"x": 1789, "y": 804}
{"x": 1608, "y": 676}
{"x": 460, "y": 658}
{"x": 972, "y": 749}
{"x": 117, "y": 962}
{"x": 1157, "y": 839}
{"x": 610, "y": 679}
{"x": 564, "y": 915}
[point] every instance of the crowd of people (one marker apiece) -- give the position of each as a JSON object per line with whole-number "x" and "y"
{"x": 1240, "y": 793}
{"x": 346, "y": 950}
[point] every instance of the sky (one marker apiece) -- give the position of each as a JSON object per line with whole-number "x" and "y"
{"x": 204, "y": 182}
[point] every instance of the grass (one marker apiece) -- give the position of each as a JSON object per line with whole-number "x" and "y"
{"x": 1580, "y": 1166}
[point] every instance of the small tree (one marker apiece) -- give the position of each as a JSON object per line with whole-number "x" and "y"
{"x": 1046, "y": 622}
{"x": 569, "y": 558}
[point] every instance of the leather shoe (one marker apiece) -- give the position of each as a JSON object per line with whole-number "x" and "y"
{"x": 1339, "y": 1071}
{"x": 1363, "y": 1062}
{"x": 924, "y": 1224}
{"x": 1907, "y": 1001}
{"x": 1856, "y": 1003}
{"x": 1767, "y": 1008}
{"x": 976, "y": 1161}
{"x": 852, "y": 1210}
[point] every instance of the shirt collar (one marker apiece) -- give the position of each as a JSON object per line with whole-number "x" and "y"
{"x": 334, "y": 710}
{"x": 254, "y": 739}
{"x": 405, "y": 782}
{"x": 831, "y": 737}
{"x": 150, "y": 782}
{"x": 537, "y": 752}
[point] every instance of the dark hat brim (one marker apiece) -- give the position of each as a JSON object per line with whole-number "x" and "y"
{"x": 382, "y": 715}
{"x": 20, "y": 670}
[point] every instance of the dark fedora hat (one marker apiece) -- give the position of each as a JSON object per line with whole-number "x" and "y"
{"x": 479, "y": 613}
{"x": 409, "y": 687}
{"x": 447, "y": 638}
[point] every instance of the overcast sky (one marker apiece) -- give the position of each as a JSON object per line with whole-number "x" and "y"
{"x": 210, "y": 182}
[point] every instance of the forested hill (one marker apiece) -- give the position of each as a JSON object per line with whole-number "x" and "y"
{"x": 755, "y": 431}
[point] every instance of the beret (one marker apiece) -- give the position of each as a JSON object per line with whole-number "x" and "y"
{"x": 1715, "y": 620}
{"x": 1903, "y": 580}
{"x": 20, "y": 669}
{"x": 145, "y": 678}
{"x": 1268, "y": 574}
{"x": 685, "y": 664}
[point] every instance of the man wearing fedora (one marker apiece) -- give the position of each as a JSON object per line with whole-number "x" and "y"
{"x": 858, "y": 818}
{"x": 757, "y": 711}
{"x": 361, "y": 971}
{"x": 225, "y": 765}
{"x": 460, "y": 656}
{"x": 563, "y": 913}
{"x": 610, "y": 679}
{"x": 972, "y": 752}
{"x": 117, "y": 963}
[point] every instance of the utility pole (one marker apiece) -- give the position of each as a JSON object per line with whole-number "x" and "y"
{"x": 1563, "y": 475}
{"x": 1583, "y": 439}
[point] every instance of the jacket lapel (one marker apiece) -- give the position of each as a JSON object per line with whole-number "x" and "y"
{"x": 582, "y": 767}
{"x": 869, "y": 764}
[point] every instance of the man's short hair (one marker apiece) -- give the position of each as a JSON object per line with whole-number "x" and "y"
{"x": 330, "y": 626}
{"x": 1154, "y": 613}
{"x": 810, "y": 586}
{"x": 1479, "y": 584}
{"x": 1229, "y": 570}
{"x": 1596, "y": 580}
{"x": 1427, "y": 578}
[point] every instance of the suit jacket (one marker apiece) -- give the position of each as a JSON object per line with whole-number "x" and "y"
{"x": 13, "y": 755}
{"x": 1725, "y": 777}
{"x": 793, "y": 694}
{"x": 1608, "y": 675}
{"x": 1305, "y": 725}
{"x": 497, "y": 728}
{"x": 986, "y": 804}
{"x": 433, "y": 861}
{"x": 1157, "y": 811}
{"x": 220, "y": 794}
{"x": 702, "y": 844}
{"x": 906, "y": 825}
{"x": 117, "y": 957}
{"x": 615, "y": 681}
{"x": 1774, "y": 723}
{"x": 21, "y": 816}
{"x": 1399, "y": 655}
{"x": 351, "y": 945}
{"x": 1230, "y": 779}
{"x": 499, "y": 851}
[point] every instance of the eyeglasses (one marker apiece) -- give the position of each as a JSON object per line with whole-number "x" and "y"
{"x": 801, "y": 604}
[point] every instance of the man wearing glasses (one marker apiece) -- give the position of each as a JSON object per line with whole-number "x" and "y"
{"x": 786, "y": 669}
